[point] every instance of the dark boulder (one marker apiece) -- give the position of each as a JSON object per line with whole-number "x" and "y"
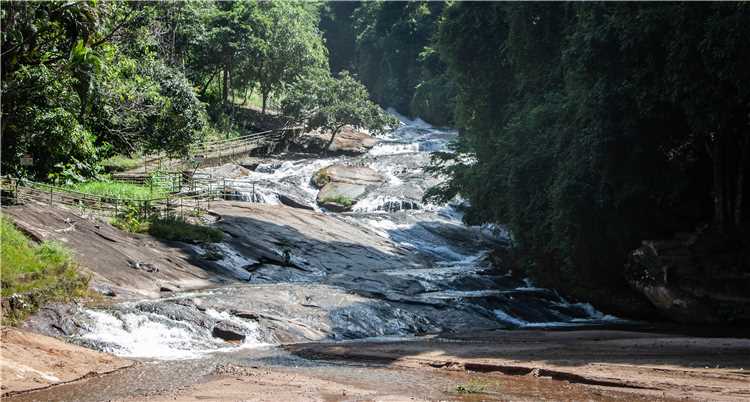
{"x": 228, "y": 331}
{"x": 293, "y": 202}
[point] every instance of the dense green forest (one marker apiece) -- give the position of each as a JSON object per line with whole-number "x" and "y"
{"x": 585, "y": 127}
{"x": 83, "y": 81}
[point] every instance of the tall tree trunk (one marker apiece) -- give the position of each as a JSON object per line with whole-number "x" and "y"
{"x": 265, "y": 100}
{"x": 719, "y": 179}
{"x": 205, "y": 86}
{"x": 225, "y": 86}
{"x": 333, "y": 137}
{"x": 742, "y": 166}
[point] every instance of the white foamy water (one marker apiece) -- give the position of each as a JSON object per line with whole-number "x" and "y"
{"x": 394, "y": 148}
{"x": 148, "y": 335}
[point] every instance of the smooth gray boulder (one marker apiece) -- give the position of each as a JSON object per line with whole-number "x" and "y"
{"x": 341, "y": 186}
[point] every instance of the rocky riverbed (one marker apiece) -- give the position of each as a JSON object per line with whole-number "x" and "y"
{"x": 367, "y": 260}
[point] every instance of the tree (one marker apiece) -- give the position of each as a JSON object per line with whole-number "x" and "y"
{"x": 329, "y": 104}
{"x": 288, "y": 46}
{"x": 338, "y": 29}
{"x": 394, "y": 58}
{"x": 82, "y": 79}
{"x": 590, "y": 127}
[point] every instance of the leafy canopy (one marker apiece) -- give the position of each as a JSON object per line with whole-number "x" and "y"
{"x": 329, "y": 103}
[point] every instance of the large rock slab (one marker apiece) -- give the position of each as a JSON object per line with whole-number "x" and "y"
{"x": 122, "y": 264}
{"x": 349, "y": 141}
{"x": 341, "y": 186}
{"x": 32, "y": 361}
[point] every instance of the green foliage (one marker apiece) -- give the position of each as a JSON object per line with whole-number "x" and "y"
{"x": 33, "y": 275}
{"x": 147, "y": 106}
{"x": 589, "y": 127}
{"x": 339, "y": 199}
{"x": 336, "y": 22}
{"x": 39, "y": 119}
{"x": 329, "y": 103}
{"x": 289, "y": 46}
{"x": 114, "y": 189}
{"x": 80, "y": 80}
{"x": 395, "y": 61}
{"x": 130, "y": 219}
{"x": 178, "y": 229}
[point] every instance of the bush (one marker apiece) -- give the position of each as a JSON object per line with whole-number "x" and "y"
{"x": 130, "y": 220}
{"x": 33, "y": 275}
{"x": 339, "y": 199}
{"x": 178, "y": 229}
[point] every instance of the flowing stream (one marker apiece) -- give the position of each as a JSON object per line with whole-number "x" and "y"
{"x": 448, "y": 284}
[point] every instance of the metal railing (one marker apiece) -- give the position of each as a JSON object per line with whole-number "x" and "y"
{"x": 218, "y": 149}
{"x": 194, "y": 199}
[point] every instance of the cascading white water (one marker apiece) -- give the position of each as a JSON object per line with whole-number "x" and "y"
{"x": 135, "y": 333}
{"x": 455, "y": 255}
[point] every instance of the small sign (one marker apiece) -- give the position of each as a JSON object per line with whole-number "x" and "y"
{"x": 27, "y": 160}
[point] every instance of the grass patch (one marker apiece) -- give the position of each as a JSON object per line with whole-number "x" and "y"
{"x": 179, "y": 229}
{"x": 121, "y": 163}
{"x": 472, "y": 387}
{"x": 339, "y": 199}
{"x": 35, "y": 274}
{"x": 113, "y": 189}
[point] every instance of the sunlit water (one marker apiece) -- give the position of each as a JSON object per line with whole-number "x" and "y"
{"x": 453, "y": 253}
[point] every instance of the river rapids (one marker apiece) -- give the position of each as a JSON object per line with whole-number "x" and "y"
{"x": 441, "y": 280}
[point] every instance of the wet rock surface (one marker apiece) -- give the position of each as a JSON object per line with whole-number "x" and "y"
{"x": 122, "y": 264}
{"x": 228, "y": 331}
{"x": 392, "y": 266}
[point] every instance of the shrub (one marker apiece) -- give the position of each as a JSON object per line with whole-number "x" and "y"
{"x": 339, "y": 199}
{"x": 179, "y": 229}
{"x": 33, "y": 275}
